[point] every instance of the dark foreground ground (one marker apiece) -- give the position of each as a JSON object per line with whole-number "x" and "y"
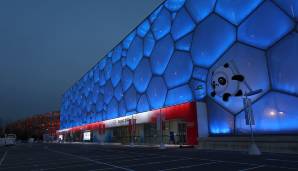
{"x": 81, "y": 157}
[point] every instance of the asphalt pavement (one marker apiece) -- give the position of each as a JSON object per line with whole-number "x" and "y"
{"x": 94, "y": 157}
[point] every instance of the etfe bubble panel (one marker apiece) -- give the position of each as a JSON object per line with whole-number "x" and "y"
{"x": 169, "y": 58}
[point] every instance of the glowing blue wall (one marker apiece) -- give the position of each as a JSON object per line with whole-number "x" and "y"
{"x": 168, "y": 58}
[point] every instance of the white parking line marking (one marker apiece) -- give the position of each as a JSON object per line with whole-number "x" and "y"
{"x": 148, "y": 163}
{"x": 3, "y": 158}
{"x": 252, "y": 168}
{"x": 63, "y": 167}
{"x": 188, "y": 166}
{"x": 283, "y": 160}
{"x": 88, "y": 159}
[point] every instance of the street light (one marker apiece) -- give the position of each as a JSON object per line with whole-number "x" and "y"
{"x": 253, "y": 149}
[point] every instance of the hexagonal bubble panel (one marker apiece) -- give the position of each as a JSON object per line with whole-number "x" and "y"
{"x": 99, "y": 103}
{"x": 198, "y": 88}
{"x": 200, "y": 9}
{"x": 127, "y": 41}
{"x": 156, "y": 92}
{"x": 220, "y": 121}
{"x": 209, "y": 42}
{"x": 236, "y": 11}
{"x": 122, "y": 108}
{"x": 117, "y": 53}
{"x": 179, "y": 95}
{"x": 96, "y": 74}
{"x": 184, "y": 43}
{"x": 149, "y": 43}
{"x": 174, "y": 5}
{"x": 108, "y": 92}
{"x": 249, "y": 62}
{"x": 290, "y": 6}
{"x": 94, "y": 95}
{"x": 110, "y": 53}
{"x": 143, "y": 28}
{"x": 127, "y": 78}
{"x": 142, "y": 75}
{"x": 155, "y": 14}
{"x": 162, "y": 24}
{"x": 273, "y": 113}
{"x": 113, "y": 109}
{"x": 118, "y": 92}
{"x": 116, "y": 73}
{"x": 143, "y": 104}
{"x": 108, "y": 69}
{"x": 283, "y": 64}
{"x": 134, "y": 53}
{"x": 182, "y": 24}
{"x": 102, "y": 63}
{"x": 200, "y": 73}
{"x": 131, "y": 98}
{"x": 179, "y": 69}
{"x": 161, "y": 55}
{"x": 265, "y": 26}
{"x": 102, "y": 79}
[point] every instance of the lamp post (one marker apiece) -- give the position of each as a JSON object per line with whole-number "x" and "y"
{"x": 162, "y": 145}
{"x": 253, "y": 149}
{"x": 131, "y": 131}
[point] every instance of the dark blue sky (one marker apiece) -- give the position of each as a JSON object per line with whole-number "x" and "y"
{"x": 47, "y": 45}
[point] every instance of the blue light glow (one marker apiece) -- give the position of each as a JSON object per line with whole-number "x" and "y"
{"x": 200, "y": 73}
{"x": 200, "y": 9}
{"x": 134, "y": 53}
{"x": 127, "y": 78}
{"x": 122, "y": 108}
{"x": 112, "y": 109}
{"x": 274, "y": 113}
{"x": 179, "y": 69}
{"x": 161, "y": 55}
{"x": 290, "y": 6}
{"x": 182, "y": 25}
{"x": 155, "y": 13}
{"x": 116, "y": 73}
{"x": 108, "y": 92}
{"x": 149, "y": 43}
{"x": 156, "y": 92}
{"x": 143, "y": 28}
{"x": 118, "y": 92}
{"x": 142, "y": 75}
{"x": 265, "y": 26}
{"x": 143, "y": 104}
{"x": 220, "y": 121}
{"x": 283, "y": 64}
{"x": 174, "y": 5}
{"x": 127, "y": 41}
{"x": 130, "y": 97}
{"x": 198, "y": 89}
{"x": 236, "y": 10}
{"x": 117, "y": 53}
{"x": 216, "y": 41}
{"x": 162, "y": 24}
{"x": 184, "y": 43}
{"x": 179, "y": 95}
{"x": 108, "y": 70}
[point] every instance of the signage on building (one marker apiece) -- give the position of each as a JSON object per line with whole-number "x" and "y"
{"x": 87, "y": 136}
{"x": 124, "y": 121}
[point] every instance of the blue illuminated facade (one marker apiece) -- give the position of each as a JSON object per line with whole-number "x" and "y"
{"x": 169, "y": 59}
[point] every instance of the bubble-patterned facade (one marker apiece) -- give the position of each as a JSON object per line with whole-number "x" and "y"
{"x": 164, "y": 60}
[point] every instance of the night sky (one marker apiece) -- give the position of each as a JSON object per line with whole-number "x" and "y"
{"x": 47, "y": 45}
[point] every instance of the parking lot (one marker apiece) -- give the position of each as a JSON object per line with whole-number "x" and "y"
{"x": 104, "y": 157}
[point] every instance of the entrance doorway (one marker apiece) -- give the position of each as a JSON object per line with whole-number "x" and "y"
{"x": 182, "y": 133}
